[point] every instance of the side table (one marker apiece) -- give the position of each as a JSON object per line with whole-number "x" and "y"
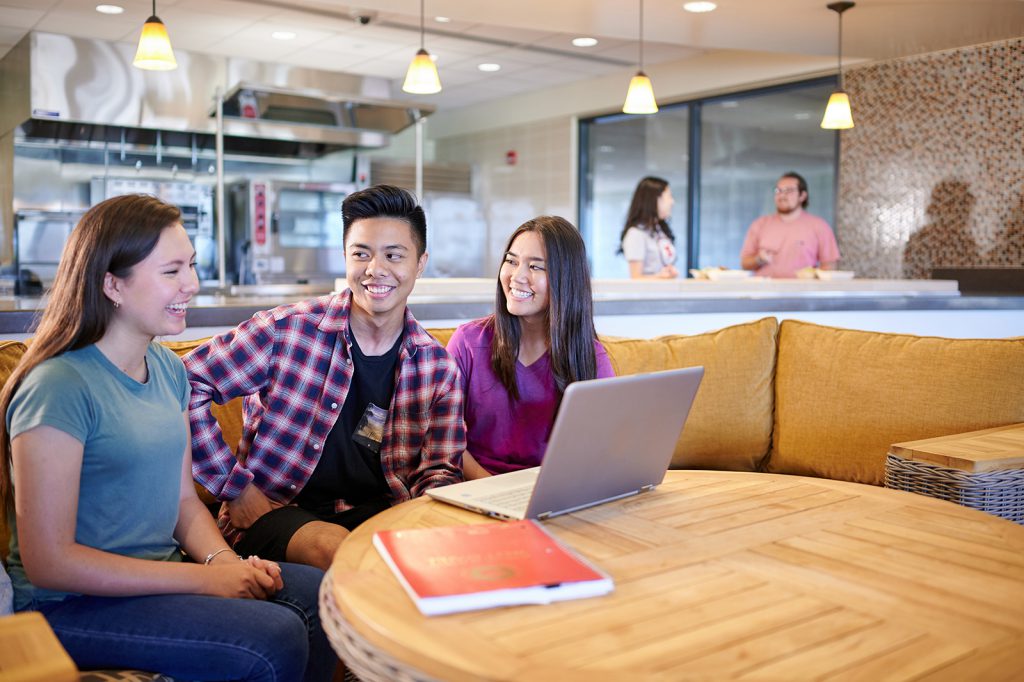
{"x": 979, "y": 469}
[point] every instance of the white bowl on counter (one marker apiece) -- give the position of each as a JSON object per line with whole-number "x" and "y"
{"x": 835, "y": 274}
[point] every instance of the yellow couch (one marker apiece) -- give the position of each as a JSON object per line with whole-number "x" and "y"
{"x": 798, "y": 398}
{"x": 801, "y": 398}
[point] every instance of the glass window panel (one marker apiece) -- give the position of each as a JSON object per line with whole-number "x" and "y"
{"x": 620, "y": 151}
{"x": 309, "y": 219}
{"x": 746, "y": 144}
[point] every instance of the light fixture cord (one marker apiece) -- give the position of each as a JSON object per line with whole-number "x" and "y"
{"x": 154, "y": 8}
{"x": 641, "y": 34}
{"x": 422, "y": 11}
{"x": 840, "y": 55}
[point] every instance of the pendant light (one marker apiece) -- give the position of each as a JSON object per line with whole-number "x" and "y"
{"x": 640, "y": 96}
{"x": 422, "y": 78}
{"x": 154, "y": 53}
{"x": 837, "y": 113}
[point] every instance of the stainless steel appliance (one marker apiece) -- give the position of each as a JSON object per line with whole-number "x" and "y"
{"x": 39, "y": 238}
{"x": 83, "y": 89}
{"x": 288, "y": 232}
{"x": 193, "y": 199}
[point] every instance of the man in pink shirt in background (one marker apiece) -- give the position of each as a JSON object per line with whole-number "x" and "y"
{"x": 780, "y": 244}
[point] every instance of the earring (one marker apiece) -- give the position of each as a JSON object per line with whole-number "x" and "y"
{"x": 117, "y": 304}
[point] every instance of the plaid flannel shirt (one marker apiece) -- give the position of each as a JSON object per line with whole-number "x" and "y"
{"x": 294, "y": 365}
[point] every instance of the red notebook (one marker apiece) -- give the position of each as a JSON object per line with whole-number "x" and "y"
{"x": 462, "y": 568}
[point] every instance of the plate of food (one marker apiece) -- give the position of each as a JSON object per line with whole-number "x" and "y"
{"x": 719, "y": 273}
{"x": 818, "y": 273}
{"x": 835, "y": 274}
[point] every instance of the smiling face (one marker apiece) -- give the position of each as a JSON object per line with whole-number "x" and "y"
{"x": 382, "y": 266}
{"x": 152, "y": 299}
{"x": 524, "y": 278}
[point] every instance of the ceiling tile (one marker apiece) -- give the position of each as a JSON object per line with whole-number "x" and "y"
{"x": 82, "y": 27}
{"x": 20, "y": 17}
{"x": 328, "y": 60}
{"x": 262, "y": 31}
{"x": 243, "y": 12}
{"x": 37, "y": 5}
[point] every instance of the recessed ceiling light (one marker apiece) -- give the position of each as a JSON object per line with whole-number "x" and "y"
{"x": 801, "y": 116}
{"x": 110, "y": 9}
{"x": 699, "y": 7}
{"x": 442, "y": 20}
{"x": 489, "y": 67}
{"x": 283, "y": 35}
{"x": 730, "y": 104}
{"x": 584, "y": 42}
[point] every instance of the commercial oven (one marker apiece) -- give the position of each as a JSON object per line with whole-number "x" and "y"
{"x": 288, "y": 232}
{"x": 195, "y": 200}
{"x": 39, "y": 238}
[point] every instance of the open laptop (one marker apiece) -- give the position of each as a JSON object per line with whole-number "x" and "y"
{"x": 612, "y": 438}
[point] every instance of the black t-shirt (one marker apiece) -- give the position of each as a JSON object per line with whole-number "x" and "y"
{"x": 349, "y": 467}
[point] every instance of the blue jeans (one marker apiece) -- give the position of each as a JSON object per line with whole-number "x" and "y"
{"x": 194, "y": 637}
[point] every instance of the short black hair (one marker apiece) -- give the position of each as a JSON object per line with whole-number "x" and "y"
{"x": 801, "y": 185}
{"x": 386, "y": 201}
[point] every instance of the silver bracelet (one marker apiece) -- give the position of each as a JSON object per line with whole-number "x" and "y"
{"x": 211, "y": 555}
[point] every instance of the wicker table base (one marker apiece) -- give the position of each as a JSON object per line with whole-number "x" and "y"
{"x": 362, "y": 658}
{"x": 997, "y": 492}
{"x": 980, "y": 469}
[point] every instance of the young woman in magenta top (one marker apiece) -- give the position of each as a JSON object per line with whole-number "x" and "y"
{"x": 516, "y": 363}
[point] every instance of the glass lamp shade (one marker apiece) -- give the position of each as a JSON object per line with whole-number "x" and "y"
{"x": 837, "y": 113}
{"x": 154, "y": 53}
{"x": 640, "y": 96}
{"x": 422, "y": 78}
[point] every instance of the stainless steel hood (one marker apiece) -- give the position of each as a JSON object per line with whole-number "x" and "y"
{"x": 61, "y": 87}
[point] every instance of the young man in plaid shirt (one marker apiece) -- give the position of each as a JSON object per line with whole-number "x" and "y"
{"x": 350, "y": 406}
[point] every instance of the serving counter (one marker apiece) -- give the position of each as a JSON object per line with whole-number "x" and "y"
{"x": 646, "y": 308}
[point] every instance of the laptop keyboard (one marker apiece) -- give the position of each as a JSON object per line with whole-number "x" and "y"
{"x": 513, "y": 497}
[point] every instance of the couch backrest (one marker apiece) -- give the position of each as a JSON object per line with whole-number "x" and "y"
{"x": 10, "y": 355}
{"x": 842, "y": 396}
{"x": 730, "y": 424}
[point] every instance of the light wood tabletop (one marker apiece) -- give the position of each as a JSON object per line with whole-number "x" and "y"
{"x": 718, "y": 575}
{"x": 998, "y": 449}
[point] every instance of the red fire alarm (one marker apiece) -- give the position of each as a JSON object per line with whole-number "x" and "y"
{"x": 511, "y": 157}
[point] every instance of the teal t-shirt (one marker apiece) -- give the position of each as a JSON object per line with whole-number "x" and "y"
{"x": 134, "y": 439}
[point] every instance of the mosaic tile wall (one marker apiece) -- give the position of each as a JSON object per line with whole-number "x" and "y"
{"x": 933, "y": 173}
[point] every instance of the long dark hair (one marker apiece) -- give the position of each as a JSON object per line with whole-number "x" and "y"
{"x": 643, "y": 210}
{"x": 570, "y": 309}
{"x": 113, "y": 236}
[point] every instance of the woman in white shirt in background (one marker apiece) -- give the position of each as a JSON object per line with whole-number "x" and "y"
{"x": 647, "y": 241}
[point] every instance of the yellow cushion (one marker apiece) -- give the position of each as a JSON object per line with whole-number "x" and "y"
{"x": 731, "y": 421}
{"x": 10, "y": 356}
{"x": 844, "y": 396}
{"x": 442, "y": 334}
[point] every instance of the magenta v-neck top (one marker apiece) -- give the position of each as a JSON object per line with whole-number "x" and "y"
{"x": 502, "y": 434}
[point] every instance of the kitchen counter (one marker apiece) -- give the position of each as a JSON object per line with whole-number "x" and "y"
{"x": 651, "y": 307}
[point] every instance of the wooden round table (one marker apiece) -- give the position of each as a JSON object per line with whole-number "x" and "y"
{"x": 718, "y": 575}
